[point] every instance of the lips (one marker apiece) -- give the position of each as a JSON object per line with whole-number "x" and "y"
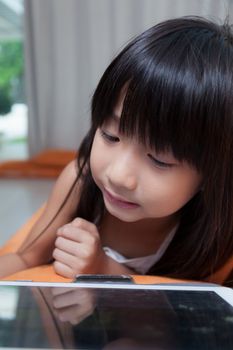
{"x": 119, "y": 201}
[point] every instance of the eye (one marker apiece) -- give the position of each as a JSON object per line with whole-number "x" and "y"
{"x": 158, "y": 163}
{"x": 108, "y": 137}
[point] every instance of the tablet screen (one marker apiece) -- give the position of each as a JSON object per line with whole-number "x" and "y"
{"x": 89, "y": 318}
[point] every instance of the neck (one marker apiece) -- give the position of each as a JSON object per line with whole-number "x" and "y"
{"x": 139, "y": 238}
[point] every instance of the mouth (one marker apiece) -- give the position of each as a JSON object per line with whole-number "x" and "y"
{"x": 118, "y": 201}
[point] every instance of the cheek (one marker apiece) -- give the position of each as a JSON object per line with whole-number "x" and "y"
{"x": 167, "y": 195}
{"x": 96, "y": 158}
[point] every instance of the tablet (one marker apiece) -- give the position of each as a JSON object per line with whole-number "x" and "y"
{"x": 115, "y": 316}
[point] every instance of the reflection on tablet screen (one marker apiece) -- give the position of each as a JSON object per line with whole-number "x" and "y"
{"x": 88, "y": 318}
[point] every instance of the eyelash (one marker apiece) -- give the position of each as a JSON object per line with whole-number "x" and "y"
{"x": 109, "y": 137}
{"x": 159, "y": 163}
{"x": 113, "y": 139}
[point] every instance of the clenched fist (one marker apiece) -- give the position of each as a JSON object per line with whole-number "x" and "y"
{"x": 78, "y": 249}
{"x": 73, "y": 305}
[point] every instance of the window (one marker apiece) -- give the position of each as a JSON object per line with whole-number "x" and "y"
{"x": 13, "y": 109}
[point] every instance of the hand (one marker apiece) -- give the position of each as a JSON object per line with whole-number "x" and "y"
{"x": 73, "y": 305}
{"x": 78, "y": 249}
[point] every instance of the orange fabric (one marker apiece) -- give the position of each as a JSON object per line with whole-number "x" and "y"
{"x": 46, "y": 273}
{"x": 17, "y": 239}
{"x": 47, "y": 164}
{"x": 221, "y": 275}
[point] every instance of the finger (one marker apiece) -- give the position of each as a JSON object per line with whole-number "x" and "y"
{"x": 67, "y": 314}
{"x": 76, "y": 255}
{"x": 68, "y": 231}
{"x": 68, "y": 299}
{"x": 73, "y": 296}
{"x": 76, "y": 234}
{"x": 80, "y": 250}
{"x": 76, "y": 263}
{"x": 84, "y": 224}
{"x": 63, "y": 270}
{"x": 67, "y": 245}
{"x": 61, "y": 290}
{"x": 74, "y": 314}
{"x": 65, "y": 258}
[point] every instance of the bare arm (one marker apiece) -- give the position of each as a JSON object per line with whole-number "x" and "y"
{"x": 37, "y": 248}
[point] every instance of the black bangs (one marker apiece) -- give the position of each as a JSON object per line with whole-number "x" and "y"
{"x": 173, "y": 94}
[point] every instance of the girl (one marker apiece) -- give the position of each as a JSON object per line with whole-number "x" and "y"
{"x": 152, "y": 189}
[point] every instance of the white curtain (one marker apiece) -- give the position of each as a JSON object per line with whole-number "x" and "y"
{"x": 68, "y": 45}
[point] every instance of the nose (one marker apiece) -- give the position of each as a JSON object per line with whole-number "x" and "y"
{"x": 122, "y": 173}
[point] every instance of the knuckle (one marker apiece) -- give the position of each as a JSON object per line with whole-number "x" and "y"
{"x": 58, "y": 242}
{"x": 56, "y": 253}
{"x": 86, "y": 253}
{"x": 93, "y": 228}
{"x": 70, "y": 274}
{"x": 93, "y": 240}
{"x": 80, "y": 222}
{"x": 61, "y": 229}
{"x": 81, "y": 267}
{"x": 60, "y": 269}
{"x": 76, "y": 252}
{"x": 77, "y": 221}
{"x": 56, "y": 266}
{"x": 66, "y": 229}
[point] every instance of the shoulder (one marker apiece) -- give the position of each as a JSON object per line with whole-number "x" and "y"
{"x": 64, "y": 183}
{"x": 68, "y": 175}
{"x": 65, "y": 193}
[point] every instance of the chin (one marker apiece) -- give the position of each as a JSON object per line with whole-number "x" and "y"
{"x": 126, "y": 219}
{"x": 124, "y": 216}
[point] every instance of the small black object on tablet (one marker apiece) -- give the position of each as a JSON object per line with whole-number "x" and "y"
{"x": 86, "y": 278}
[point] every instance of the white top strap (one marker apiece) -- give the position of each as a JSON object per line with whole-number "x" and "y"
{"x": 144, "y": 263}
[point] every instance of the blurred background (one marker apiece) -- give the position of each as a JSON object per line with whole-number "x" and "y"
{"x": 52, "y": 54}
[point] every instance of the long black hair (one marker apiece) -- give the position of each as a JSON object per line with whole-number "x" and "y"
{"x": 179, "y": 97}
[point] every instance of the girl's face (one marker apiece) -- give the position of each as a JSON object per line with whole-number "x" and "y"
{"x": 137, "y": 183}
